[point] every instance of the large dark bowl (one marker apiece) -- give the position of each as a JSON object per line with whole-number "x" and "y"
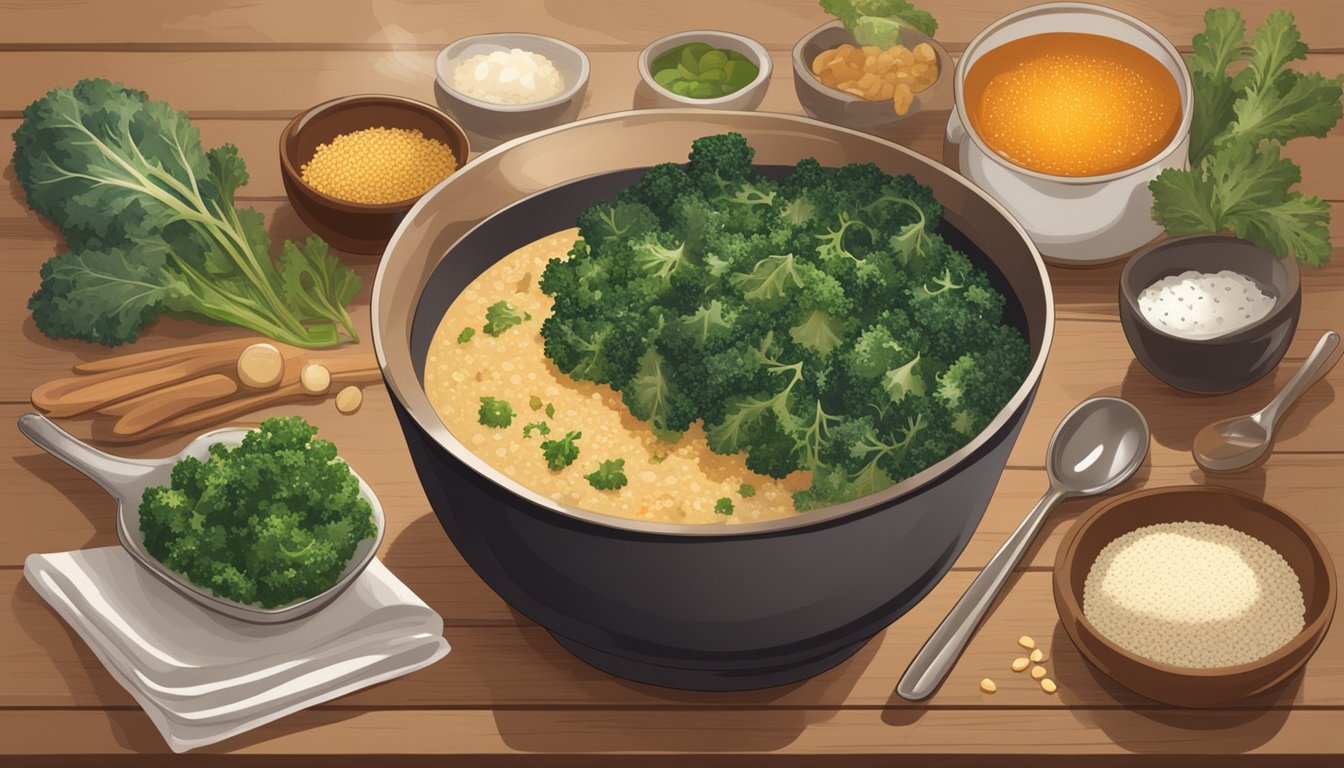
{"x": 714, "y": 607}
{"x": 1226, "y": 363}
{"x": 349, "y": 226}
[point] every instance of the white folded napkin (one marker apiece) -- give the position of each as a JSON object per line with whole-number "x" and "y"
{"x": 202, "y": 676}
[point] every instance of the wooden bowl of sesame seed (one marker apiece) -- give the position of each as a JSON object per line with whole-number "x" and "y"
{"x": 354, "y": 166}
{"x": 1228, "y": 572}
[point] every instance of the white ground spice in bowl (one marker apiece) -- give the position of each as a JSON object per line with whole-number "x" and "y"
{"x": 1204, "y": 305}
{"x": 509, "y": 77}
{"x": 1193, "y": 595}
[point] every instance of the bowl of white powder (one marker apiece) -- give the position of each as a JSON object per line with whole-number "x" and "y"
{"x": 1196, "y": 596}
{"x": 1209, "y": 314}
{"x": 505, "y": 85}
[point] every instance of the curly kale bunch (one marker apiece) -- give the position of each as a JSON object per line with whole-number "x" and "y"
{"x": 816, "y": 323}
{"x": 270, "y": 522}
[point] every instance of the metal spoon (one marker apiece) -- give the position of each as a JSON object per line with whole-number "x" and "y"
{"x": 1242, "y": 441}
{"x": 1096, "y": 447}
{"x": 127, "y": 479}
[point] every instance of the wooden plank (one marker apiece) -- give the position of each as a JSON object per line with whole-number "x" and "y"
{"x": 222, "y": 85}
{"x": 807, "y": 737}
{"x": 1087, "y": 359}
{"x": 81, "y": 515}
{"x": 779, "y": 23}
{"x": 517, "y": 664}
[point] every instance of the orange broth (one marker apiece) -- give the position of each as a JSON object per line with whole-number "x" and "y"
{"x": 1072, "y": 104}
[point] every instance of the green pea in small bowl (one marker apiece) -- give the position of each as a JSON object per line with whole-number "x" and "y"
{"x": 746, "y": 97}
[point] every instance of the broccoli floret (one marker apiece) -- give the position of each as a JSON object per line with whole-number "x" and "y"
{"x": 495, "y": 413}
{"x": 808, "y": 323}
{"x": 269, "y": 522}
{"x": 659, "y": 188}
{"x": 609, "y": 475}
{"x": 561, "y": 453}
{"x": 501, "y": 316}
{"x": 720, "y": 160}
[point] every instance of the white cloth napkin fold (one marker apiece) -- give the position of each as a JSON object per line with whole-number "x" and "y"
{"x": 202, "y": 676}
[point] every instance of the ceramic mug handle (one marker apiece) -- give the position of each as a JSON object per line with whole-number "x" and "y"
{"x": 956, "y": 132}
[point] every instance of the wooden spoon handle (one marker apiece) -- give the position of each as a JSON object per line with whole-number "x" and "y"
{"x": 141, "y": 413}
{"x": 228, "y": 349}
{"x": 75, "y": 395}
{"x": 216, "y": 415}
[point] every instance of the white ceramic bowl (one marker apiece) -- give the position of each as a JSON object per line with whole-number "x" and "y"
{"x": 747, "y": 98}
{"x": 1072, "y": 220}
{"x": 488, "y": 124}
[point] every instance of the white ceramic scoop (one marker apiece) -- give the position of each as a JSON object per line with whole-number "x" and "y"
{"x": 127, "y": 479}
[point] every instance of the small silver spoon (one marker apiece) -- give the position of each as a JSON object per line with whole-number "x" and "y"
{"x": 126, "y": 481}
{"x": 1242, "y": 441}
{"x": 1097, "y": 446}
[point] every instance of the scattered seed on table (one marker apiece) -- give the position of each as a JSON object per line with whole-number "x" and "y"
{"x": 1026, "y": 642}
{"x": 988, "y": 686}
{"x": 1038, "y": 655}
{"x": 261, "y": 366}
{"x": 1020, "y": 664}
{"x": 1048, "y": 685}
{"x": 1037, "y": 673}
{"x": 349, "y": 399}
{"x": 315, "y": 378}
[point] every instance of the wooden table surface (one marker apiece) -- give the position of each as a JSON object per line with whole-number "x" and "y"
{"x": 507, "y": 694}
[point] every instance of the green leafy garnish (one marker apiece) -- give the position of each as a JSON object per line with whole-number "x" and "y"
{"x": 500, "y": 317}
{"x": 879, "y": 22}
{"x": 746, "y": 490}
{"x": 495, "y": 413}
{"x": 269, "y": 522}
{"x": 609, "y": 475}
{"x": 723, "y": 506}
{"x": 550, "y": 411}
{"x": 537, "y": 426}
{"x": 810, "y": 343}
{"x": 561, "y": 453}
{"x": 1238, "y": 180}
{"x": 149, "y": 219}
{"x": 534, "y": 403}
{"x": 465, "y": 335}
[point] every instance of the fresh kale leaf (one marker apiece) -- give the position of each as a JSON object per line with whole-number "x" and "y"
{"x": 1237, "y": 180}
{"x": 148, "y": 215}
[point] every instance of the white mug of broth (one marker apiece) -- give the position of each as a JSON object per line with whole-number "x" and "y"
{"x": 1064, "y": 113}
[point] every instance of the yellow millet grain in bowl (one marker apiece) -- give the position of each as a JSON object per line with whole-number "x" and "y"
{"x": 379, "y": 165}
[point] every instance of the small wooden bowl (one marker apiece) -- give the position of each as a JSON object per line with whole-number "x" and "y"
{"x": 1180, "y": 686}
{"x": 357, "y": 227}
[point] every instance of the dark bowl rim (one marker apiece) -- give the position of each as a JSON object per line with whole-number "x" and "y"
{"x": 433, "y": 428}
{"x": 404, "y": 103}
{"x": 801, "y": 69}
{"x": 1275, "y": 315}
{"x": 1311, "y": 631}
